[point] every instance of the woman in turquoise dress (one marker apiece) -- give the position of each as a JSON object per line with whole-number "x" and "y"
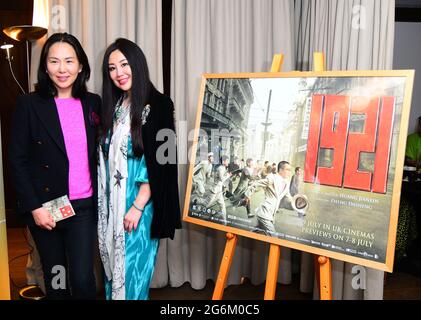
{"x": 137, "y": 191}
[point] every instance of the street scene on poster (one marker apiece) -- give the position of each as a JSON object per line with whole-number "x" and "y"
{"x": 308, "y": 160}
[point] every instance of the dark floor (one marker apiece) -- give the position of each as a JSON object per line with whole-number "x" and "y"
{"x": 403, "y": 284}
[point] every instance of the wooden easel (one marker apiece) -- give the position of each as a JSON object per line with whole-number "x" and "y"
{"x": 323, "y": 272}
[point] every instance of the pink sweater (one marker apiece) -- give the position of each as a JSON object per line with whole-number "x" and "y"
{"x": 73, "y": 127}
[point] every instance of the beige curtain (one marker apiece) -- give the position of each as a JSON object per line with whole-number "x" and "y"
{"x": 354, "y": 35}
{"x": 221, "y": 36}
{"x": 242, "y": 36}
{"x": 97, "y": 23}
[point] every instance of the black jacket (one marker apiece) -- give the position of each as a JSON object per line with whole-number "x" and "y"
{"x": 37, "y": 153}
{"x": 163, "y": 178}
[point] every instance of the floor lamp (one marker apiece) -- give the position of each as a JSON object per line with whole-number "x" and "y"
{"x": 24, "y": 33}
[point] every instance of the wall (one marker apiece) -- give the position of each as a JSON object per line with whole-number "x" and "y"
{"x": 407, "y": 55}
{"x": 16, "y": 12}
{"x": 12, "y": 13}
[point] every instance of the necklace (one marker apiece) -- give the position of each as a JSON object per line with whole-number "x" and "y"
{"x": 120, "y": 112}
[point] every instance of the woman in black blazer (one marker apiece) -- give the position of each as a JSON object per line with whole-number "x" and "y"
{"x": 53, "y": 154}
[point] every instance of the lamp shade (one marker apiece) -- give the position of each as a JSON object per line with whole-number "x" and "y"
{"x": 25, "y": 32}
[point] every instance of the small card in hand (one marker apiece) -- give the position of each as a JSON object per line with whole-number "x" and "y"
{"x": 60, "y": 208}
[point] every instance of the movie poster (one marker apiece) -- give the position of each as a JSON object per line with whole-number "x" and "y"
{"x": 311, "y": 161}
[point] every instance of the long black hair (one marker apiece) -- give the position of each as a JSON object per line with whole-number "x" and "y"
{"x": 140, "y": 91}
{"x": 45, "y": 85}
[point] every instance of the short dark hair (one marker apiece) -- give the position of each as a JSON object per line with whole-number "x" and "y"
{"x": 297, "y": 168}
{"x": 140, "y": 90}
{"x": 282, "y": 164}
{"x": 45, "y": 85}
{"x": 224, "y": 158}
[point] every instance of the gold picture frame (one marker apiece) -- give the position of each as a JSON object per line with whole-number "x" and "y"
{"x": 346, "y": 209}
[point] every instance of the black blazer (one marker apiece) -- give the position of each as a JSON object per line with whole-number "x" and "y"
{"x": 37, "y": 153}
{"x": 163, "y": 178}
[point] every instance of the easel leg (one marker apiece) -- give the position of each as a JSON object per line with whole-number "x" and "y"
{"x": 272, "y": 273}
{"x": 275, "y": 250}
{"x": 325, "y": 278}
{"x": 317, "y": 270}
{"x": 225, "y": 266}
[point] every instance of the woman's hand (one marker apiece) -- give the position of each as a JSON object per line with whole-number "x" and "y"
{"x": 43, "y": 219}
{"x": 131, "y": 220}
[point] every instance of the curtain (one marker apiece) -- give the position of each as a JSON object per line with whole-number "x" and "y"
{"x": 212, "y": 36}
{"x": 97, "y": 23}
{"x": 354, "y": 35}
{"x": 242, "y": 36}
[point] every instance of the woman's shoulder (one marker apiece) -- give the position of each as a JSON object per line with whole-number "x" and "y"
{"x": 29, "y": 103}
{"x": 159, "y": 100}
{"x": 34, "y": 95}
{"x": 94, "y": 101}
{"x": 28, "y": 99}
{"x": 93, "y": 96}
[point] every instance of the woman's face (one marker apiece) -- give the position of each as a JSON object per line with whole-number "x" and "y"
{"x": 120, "y": 71}
{"x": 63, "y": 67}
